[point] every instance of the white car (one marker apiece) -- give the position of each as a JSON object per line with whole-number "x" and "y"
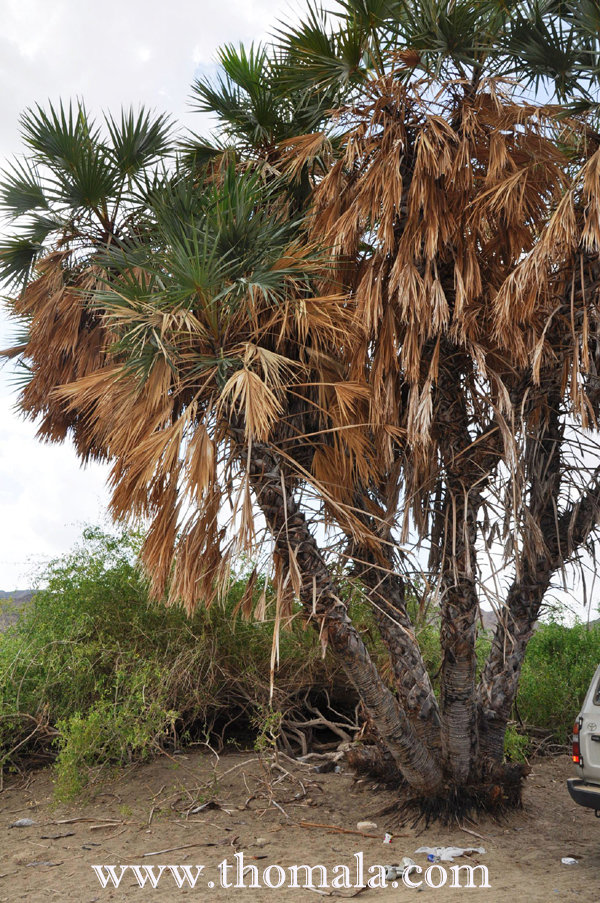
{"x": 585, "y": 788}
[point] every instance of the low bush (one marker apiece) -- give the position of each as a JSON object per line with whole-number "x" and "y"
{"x": 94, "y": 673}
{"x": 556, "y": 675}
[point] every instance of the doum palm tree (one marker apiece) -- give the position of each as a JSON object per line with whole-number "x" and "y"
{"x": 368, "y": 303}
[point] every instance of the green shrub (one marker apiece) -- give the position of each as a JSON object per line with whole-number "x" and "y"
{"x": 517, "y": 745}
{"x": 558, "y": 668}
{"x": 110, "y": 677}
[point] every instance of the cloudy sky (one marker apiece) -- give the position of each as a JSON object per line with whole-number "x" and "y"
{"x": 109, "y": 54}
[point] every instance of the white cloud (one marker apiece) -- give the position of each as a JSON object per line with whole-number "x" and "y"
{"x": 117, "y": 52}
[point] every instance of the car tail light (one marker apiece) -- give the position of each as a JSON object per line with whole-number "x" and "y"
{"x": 575, "y": 750}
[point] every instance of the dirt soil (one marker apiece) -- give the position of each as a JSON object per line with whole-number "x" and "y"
{"x": 150, "y": 809}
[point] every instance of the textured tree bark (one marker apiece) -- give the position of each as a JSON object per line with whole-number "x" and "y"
{"x": 499, "y": 682}
{"x": 321, "y": 600}
{"x": 465, "y": 466}
{"x": 386, "y": 591}
{"x": 500, "y": 677}
{"x": 458, "y": 633}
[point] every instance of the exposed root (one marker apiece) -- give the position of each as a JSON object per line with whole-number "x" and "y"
{"x": 498, "y": 790}
{"x": 457, "y": 804}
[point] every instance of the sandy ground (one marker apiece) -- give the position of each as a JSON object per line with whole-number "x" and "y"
{"x": 144, "y": 811}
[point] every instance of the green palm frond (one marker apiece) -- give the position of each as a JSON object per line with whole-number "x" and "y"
{"x": 325, "y": 54}
{"x": 78, "y": 188}
{"x": 58, "y": 136}
{"x": 91, "y": 181}
{"x": 17, "y": 257}
{"x": 244, "y": 96}
{"x": 262, "y": 98}
{"x": 196, "y": 152}
{"x": 21, "y": 189}
{"x": 373, "y": 13}
{"x": 545, "y": 46}
{"x": 450, "y": 36}
{"x": 138, "y": 141}
{"x": 208, "y": 256}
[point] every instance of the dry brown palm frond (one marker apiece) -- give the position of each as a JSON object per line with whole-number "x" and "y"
{"x": 450, "y": 202}
{"x": 248, "y": 394}
{"x": 296, "y": 153}
{"x": 201, "y": 458}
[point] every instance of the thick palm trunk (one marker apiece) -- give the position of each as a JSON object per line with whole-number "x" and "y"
{"x": 465, "y": 481}
{"x": 386, "y": 591}
{"x": 458, "y": 676}
{"x": 500, "y": 677}
{"x": 322, "y": 603}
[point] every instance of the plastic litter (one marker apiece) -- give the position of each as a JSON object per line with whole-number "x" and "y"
{"x": 568, "y": 860}
{"x": 387, "y": 838}
{"x": 23, "y": 823}
{"x": 448, "y": 854}
{"x": 392, "y": 872}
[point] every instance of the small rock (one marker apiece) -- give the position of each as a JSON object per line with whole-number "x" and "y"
{"x": 261, "y": 842}
{"x": 23, "y": 823}
{"x": 366, "y": 826}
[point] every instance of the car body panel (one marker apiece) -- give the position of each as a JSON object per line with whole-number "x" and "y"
{"x": 589, "y": 733}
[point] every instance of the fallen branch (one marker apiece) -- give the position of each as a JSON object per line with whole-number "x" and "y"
{"x": 186, "y": 846}
{"x": 72, "y": 821}
{"x": 336, "y": 829}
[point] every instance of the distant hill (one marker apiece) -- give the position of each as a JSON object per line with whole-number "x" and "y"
{"x": 490, "y": 619}
{"x": 17, "y": 595}
{"x": 14, "y": 601}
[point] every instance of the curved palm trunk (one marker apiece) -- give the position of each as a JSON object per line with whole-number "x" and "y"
{"x": 500, "y": 677}
{"x": 386, "y": 591}
{"x": 322, "y": 603}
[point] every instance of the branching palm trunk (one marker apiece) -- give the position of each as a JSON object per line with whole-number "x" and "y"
{"x": 322, "y": 603}
{"x": 500, "y": 677}
{"x": 459, "y": 602}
